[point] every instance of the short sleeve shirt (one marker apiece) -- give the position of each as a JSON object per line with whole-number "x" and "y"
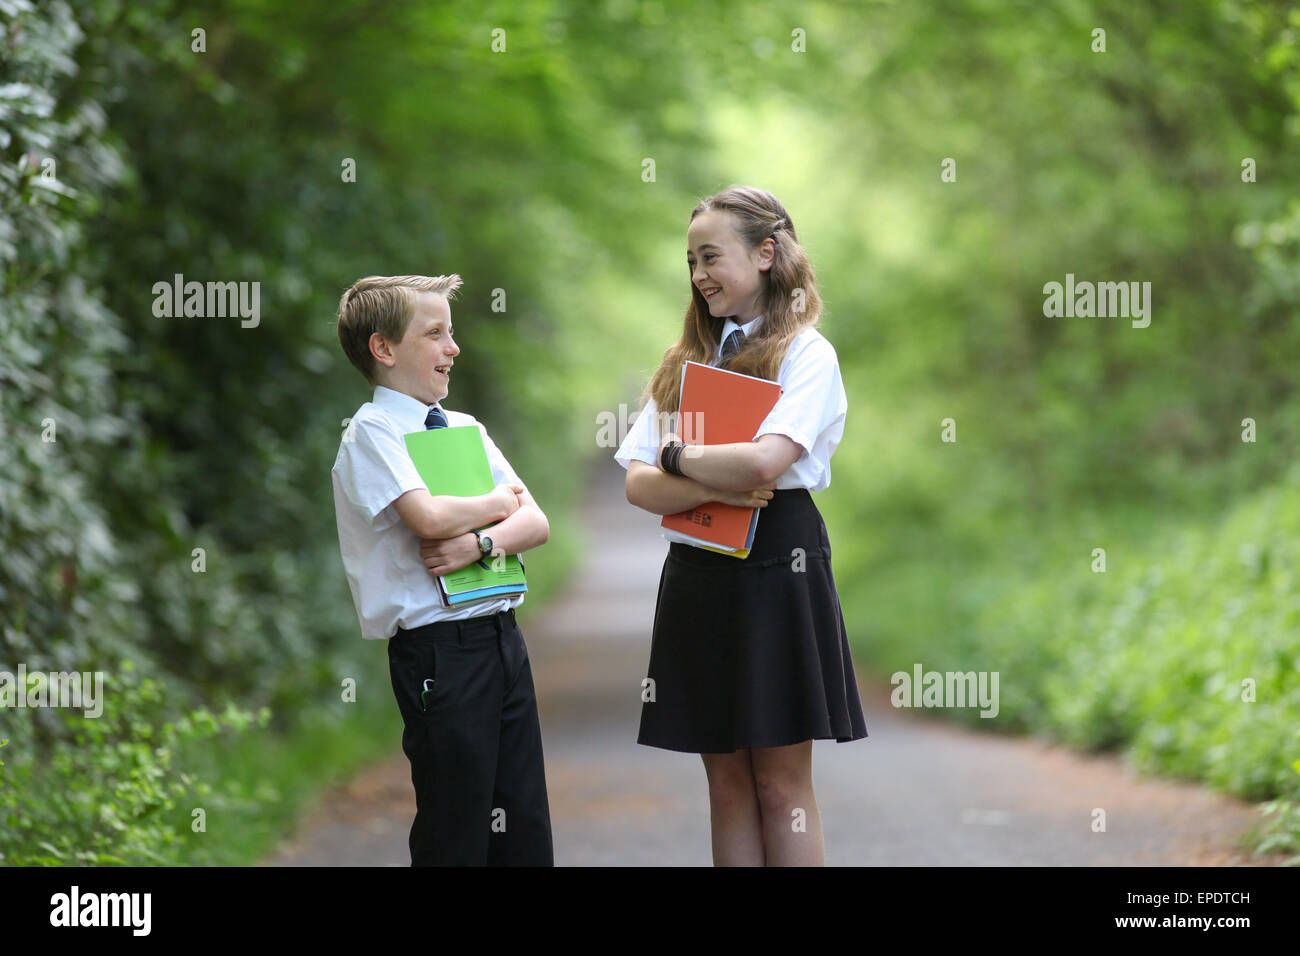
{"x": 391, "y": 587}
{"x": 810, "y": 411}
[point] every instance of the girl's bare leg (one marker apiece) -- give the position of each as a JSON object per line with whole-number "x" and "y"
{"x": 734, "y": 810}
{"x": 792, "y": 824}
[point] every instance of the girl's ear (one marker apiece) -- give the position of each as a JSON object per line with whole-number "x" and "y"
{"x": 766, "y": 254}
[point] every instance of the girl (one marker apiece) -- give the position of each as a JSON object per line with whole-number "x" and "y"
{"x": 749, "y": 658}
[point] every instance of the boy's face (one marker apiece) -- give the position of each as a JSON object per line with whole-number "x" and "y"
{"x": 728, "y": 275}
{"x": 423, "y": 359}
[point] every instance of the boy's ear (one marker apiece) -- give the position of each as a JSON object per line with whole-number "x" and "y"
{"x": 381, "y": 350}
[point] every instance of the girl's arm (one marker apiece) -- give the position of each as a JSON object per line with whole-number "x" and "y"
{"x": 739, "y": 465}
{"x": 656, "y": 491}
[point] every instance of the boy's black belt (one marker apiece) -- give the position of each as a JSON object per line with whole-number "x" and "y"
{"x": 469, "y": 627}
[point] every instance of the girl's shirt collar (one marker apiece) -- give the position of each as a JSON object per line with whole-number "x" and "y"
{"x": 730, "y": 326}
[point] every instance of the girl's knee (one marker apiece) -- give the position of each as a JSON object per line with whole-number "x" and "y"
{"x": 782, "y": 783}
{"x": 729, "y": 774}
{"x": 778, "y": 792}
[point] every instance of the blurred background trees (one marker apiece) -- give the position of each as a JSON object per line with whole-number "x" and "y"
{"x": 525, "y": 170}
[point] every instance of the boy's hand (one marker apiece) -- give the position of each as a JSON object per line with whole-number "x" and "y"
{"x": 445, "y": 555}
{"x": 508, "y": 496}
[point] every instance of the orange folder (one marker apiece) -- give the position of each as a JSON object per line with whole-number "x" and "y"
{"x": 719, "y": 407}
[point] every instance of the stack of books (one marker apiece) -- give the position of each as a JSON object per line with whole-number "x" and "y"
{"x": 719, "y": 407}
{"x": 453, "y": 461}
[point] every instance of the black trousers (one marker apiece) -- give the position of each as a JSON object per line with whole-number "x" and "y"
{"x": 465, "y": 690}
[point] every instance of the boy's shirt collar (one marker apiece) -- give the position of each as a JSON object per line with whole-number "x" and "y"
{"x": 409, "y": 411}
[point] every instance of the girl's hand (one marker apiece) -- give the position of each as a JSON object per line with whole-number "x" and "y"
{"x": 758, "y": 498}
{"x": 445, "y": 555}
{"x": 659, "y": 458}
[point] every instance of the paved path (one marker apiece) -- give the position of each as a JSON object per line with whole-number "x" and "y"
{"x": 918, "y": 791}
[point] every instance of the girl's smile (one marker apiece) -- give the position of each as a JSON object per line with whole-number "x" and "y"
{"x": 729, "y": 276}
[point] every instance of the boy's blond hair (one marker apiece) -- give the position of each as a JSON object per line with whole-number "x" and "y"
{"x": 383, "y": 304}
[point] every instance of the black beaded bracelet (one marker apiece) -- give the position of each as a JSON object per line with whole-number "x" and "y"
{"x": 669, "y": 457}
{"x": 666, "y": 458}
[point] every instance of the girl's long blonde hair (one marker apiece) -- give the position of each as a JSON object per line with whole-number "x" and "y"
{"x": 790, "y": 299}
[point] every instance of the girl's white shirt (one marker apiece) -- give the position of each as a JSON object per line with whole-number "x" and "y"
{"x": 810, "y": 411}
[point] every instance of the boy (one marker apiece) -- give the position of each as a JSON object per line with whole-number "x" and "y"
{"x": 461, "y": 675}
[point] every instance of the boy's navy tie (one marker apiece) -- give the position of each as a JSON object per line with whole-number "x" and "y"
{"x": 731, "y": 346}
{"x": 435, "y": 418}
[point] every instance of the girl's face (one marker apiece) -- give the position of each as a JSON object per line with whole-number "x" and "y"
{"x": 727, "y": 274}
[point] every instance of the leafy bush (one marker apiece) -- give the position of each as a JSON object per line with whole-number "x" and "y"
{"x": 112, "y": 794}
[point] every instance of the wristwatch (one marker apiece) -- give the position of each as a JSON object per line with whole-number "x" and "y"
{"x": 484, "y": 542}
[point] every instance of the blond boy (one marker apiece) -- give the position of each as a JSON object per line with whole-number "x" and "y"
{"x": 461, "y": 675}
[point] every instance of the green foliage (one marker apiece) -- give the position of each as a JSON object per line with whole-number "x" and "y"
{"x": 1281, "y": 831}
{"x": 1080, "y": 433}
{"x": 522, "y": 171}
{"x": 62, "y": 584}
{"x": 172, "y": 434}
{"x": 112, "y": 793}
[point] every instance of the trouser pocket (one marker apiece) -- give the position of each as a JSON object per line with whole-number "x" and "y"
{"x": 413, "y": 670}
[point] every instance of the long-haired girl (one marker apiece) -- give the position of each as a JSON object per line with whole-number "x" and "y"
{"x": 749, "y": 657}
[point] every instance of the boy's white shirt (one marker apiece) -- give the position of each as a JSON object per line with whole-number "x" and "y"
{"x": 810, "y": 411}
{"x": 391, "y": 587}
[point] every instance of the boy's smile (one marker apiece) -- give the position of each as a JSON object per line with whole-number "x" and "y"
{"x": 423, "y": 359}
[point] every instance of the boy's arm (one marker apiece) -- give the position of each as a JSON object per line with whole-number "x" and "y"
{"x": 446, "y": 516}
{"x": 526, "y": 528}
{"x": 375, "y": 473}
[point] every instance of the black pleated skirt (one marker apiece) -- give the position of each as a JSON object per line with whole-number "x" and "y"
{"x": 752, "y": 653}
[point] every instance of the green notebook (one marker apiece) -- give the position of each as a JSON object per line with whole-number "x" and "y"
{"x": 453, "y": 461}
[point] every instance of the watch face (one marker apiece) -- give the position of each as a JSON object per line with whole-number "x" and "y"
{"x": 485, "y": 544}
